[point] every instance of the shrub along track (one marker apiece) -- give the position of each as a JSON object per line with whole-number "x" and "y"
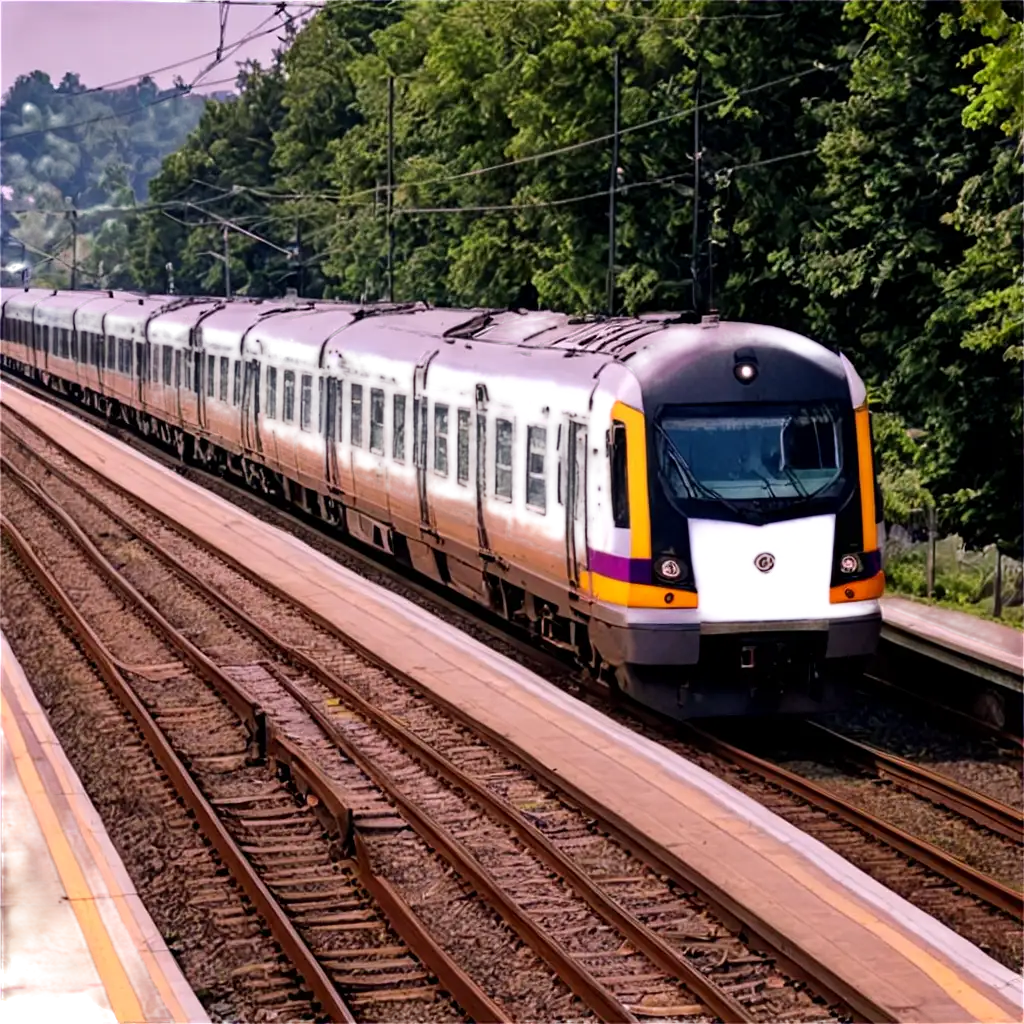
{"x": 624, "y": 940}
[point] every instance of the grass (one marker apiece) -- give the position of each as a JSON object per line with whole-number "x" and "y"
{"x": 963, "y": 579}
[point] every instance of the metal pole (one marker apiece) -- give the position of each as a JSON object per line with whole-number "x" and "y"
{"x": 613, "y": 190}
{"x": 930, "y": 564}
{"x": 298, "y": 256}
{"x": 997, "y": 587}
{"x": 391, "y": 189}
{"x": 227, "y": 267}
{"x": 74, "y": 247}
{"x": 695, "y": 257}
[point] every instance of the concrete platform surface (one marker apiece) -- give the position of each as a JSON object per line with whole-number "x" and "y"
{"x": 991, "y": 643}
{"x": 78, "y": 945}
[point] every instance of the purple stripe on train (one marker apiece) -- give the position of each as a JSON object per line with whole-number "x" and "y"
{"x": 616, "y": 567}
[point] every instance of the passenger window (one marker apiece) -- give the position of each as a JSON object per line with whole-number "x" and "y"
{"x": 74, "y": 345}
{"x": 357, "y": 416}
{"x": 289, "y": 396}
{"x": 306, "y": 402}
{"x": 420, "y": 431}
{"x": 620, "y": 479}
{"x": 111, "y": 353}
{"x": 271, "y": 392}
{"x": 462, "y": 466}
{"x": 211, "y": 371}
{"x": 224, "y": 364}
{"x": 536, "y": 483}
{"x": 340, "y": 411}
{"x": 320, "y": 416}
{"x": 177, "y": 368}
{"x": 398, "y": 442}
{"x": 441, "y": 439}
{"x": 167, "y": 365}
{"x": 377, "y": 421}
{"x": 503, "y": 460}
{"x": 236, "y": 394}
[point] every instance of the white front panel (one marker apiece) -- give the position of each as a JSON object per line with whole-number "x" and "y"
{"x": 731, "y": 588}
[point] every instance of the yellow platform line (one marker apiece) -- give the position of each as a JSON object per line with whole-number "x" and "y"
{"x": 123, "y": 1000}
{"x": 124, "y": 910}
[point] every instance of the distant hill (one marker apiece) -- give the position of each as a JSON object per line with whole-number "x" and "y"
{"x": 98, "y": 148}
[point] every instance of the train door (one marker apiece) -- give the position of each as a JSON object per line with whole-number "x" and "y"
{"x": 202, "y": 384}
{"x": 251, "y": 407}
{"x": 420, "y": 434}
{"x": 481, "y": 466}
{"x": 331, "y": 439}
{"x": 575, "y": 462}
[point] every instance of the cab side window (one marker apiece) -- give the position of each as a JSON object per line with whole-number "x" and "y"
{"x": 619, "y": 471}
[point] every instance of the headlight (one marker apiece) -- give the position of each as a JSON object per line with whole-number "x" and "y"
{"x": 850, "y": 564}
{"x": 669, "y": 569}
{"x": 745, "y": 372}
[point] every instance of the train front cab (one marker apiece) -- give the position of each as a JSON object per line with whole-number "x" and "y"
{"x": 721, "y": 610}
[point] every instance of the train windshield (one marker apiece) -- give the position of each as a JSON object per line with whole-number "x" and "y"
{"x": 751, "y": 455}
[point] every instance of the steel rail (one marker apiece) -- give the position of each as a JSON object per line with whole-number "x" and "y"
{"x": 640, "y": 935}
{"x": 462, "y": 988}
{"x": 794, "y": 959}
{"x": 975, "y": 882}
{"x": 580, "y": 980}
{"x": 241, "y": 870}
{"x": 269, "y": 742}
{"x": 984, "y": 810}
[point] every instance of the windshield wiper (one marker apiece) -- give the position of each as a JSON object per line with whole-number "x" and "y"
{"x": 795, "y": 481}
{"x": 690, "y": 481}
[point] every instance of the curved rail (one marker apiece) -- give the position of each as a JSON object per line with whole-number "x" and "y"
{"x": 242, "y": 871}
{"x": 983, "y": 886}
{"x": 266, "y": 739}
{"x": 981, "y": 809}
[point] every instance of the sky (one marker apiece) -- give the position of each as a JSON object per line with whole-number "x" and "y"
{"x": 106, "y": 40}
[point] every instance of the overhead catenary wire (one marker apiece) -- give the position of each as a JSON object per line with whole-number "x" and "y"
{"x": 220, "y": 56}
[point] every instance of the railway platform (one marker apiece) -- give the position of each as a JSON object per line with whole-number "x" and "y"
{"x": 78, "y": 945}
{"x": 886, "y": 958}
{"x": 986, "y": 649}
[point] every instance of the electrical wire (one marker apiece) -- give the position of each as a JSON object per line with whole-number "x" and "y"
{"x": 220, "y": 56}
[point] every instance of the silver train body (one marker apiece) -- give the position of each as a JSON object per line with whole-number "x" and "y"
{"x": 691, "y": 509}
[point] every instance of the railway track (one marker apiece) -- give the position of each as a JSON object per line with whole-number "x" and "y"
{"x": 915, "y": 779}
{"x": 995, "y": 930}
{"x": 397, "y": 773}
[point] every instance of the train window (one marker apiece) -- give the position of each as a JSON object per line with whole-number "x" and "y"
{"x": 377, "y": 421}
{"x": 111, "y": 353}
{"x": 211, "y": 371}
{"x": 225, "y": 364}
{"x": 306, "y": 402}
{"x": 167, "y": 364}
{"x": 503, "y": 460}
{"x": 271, "y": 410}
{"x": 177, "y": 368}
{"x": 441, "y": 439}
{"x": 398, "y": 435}
{"x": 357, "y": 416}
{"x": 462, "y": 464}
{"x": 340, "y": 412}
{"x": 193, "y": 372}
{"x": 74, "y": 344}
{"x": 236, "y": 394}
{"x": 322, "y": 393}
{"x": 288, "y": 414}
{"x": 536, "y": 482}
{"x": 154, "y": 356}
{"x": 620, "y": 485}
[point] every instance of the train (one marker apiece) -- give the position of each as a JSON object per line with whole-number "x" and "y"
{"x": 691, "y": 510}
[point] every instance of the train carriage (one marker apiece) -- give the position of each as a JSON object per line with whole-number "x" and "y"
{"x": 691, "y": 509}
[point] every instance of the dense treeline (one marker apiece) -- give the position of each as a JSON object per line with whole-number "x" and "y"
{"x": 98, "y": 148}
{"x": 858, "y": 180}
